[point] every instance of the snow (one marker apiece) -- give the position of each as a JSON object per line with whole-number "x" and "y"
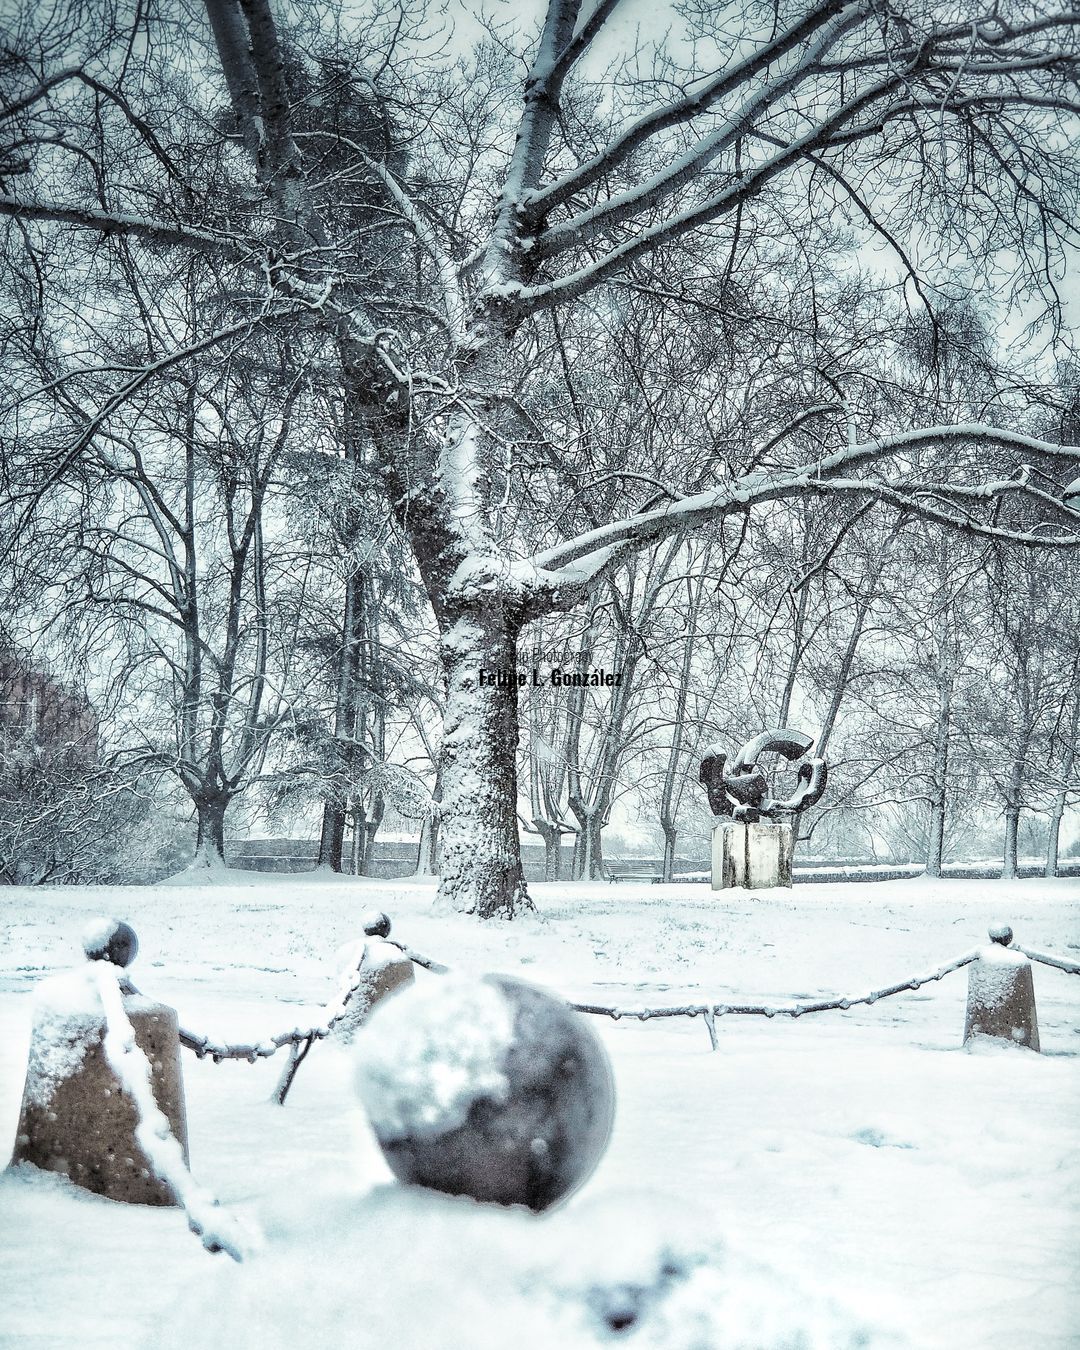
{"x": 68, "y": 1017}
{"x": 994, "y": 977}
{"x": 218, "y": 1229}
{"x": 840, "y": 1171}
{"x": 96, "y": 934}
{"x": 433, "y": 1055}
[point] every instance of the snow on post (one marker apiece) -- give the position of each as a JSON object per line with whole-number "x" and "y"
{"x": 1001, "y": 994}
{"x": 76, "y": 1116}
{"x": 383, "y": 967}
{"x": 375, "y": 968}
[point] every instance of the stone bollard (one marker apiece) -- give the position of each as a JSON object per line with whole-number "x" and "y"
{"x": 76, "y": 1118}
{"x": 753, "y": 855}
{"x": 386, "y": 969}
{"x": 1001, "y": 994}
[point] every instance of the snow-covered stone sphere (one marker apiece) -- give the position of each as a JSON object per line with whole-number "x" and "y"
{"x": 110, "y": 940}
{"x": 490, "y": 1088}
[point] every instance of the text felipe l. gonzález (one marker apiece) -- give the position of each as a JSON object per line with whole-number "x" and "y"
{"x": 590, "y": 678}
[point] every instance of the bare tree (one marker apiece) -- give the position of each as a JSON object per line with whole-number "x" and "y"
{"x": 829, "y": 112}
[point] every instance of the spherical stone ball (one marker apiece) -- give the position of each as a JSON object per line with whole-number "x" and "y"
{"x": 490, "y": 1088}
{"x": 375, "y": 923}
{"x": 110, "y": 940}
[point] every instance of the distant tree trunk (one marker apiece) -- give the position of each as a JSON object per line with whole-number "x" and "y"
{"x": 552, "y": 837}
{"x": 427, "y": 855}
{"x": 367, "y": 835}
{"x": 332, "y": 837}
{"x": 335, "y": 809}
{"x": 210, "y": 842}
{"x": 1057, "y": 811}
{"x": 592, "y": 847}
{"x": 1013, "y": 806}
{"x": 670, "y": 796}
{"x": 1014, "y": 784}
{"x": 1053, "y": 835}
{"x": 797, "y": 649}
{"x": 842, "y": 676}
{"x": 670, "y": 835}
{"x": 939, "y": 777}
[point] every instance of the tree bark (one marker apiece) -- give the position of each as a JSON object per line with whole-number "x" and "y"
{"x": 480, "y": 860}
{"x": 939, "y": 777}
{"x": 1057, "y": 811}
{"x": 210, "y": 842}
{"x": 1013, "y": 805}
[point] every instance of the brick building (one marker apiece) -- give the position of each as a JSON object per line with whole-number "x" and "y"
{"x": 36, "y": 707}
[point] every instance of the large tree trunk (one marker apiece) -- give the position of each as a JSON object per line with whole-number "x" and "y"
{"x": 480, "y": 860}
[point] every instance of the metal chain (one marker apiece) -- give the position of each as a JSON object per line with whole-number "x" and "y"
{"x": 202, "y": 1045}
{"x": 714, "y": 1010}
{"x": 1069, "y": 967}
{"x": 218, "y": 1051}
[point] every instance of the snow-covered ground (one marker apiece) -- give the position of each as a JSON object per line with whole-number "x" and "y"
{"x": 848, "y": 1170}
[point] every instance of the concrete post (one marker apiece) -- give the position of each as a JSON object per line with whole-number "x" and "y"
{"x": 755, "y": 856}
{"x": 76, "y": 1117}
{"x": 1001, "y": 994}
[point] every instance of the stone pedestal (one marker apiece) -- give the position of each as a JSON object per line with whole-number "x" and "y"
{"x": 754, "y": 856}
{"x": 76, "y": 1118}
{"x": 1001, "y": 997}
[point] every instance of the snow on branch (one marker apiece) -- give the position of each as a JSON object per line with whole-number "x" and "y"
{"x": 103, "y": 91}
{"x": 584, "y": 36}
{"x": 94, "y": 424}
{"x": 132, "y": 226}
{"x": 823, "y": 474}
{"x": 539, "y": 114}
{"x": 453, "y": 300}
{"x": 684, "y": 169}
{"x": 681, "y": 111}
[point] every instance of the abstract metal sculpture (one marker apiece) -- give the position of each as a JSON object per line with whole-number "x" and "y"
{"x": 740, "y": 792}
